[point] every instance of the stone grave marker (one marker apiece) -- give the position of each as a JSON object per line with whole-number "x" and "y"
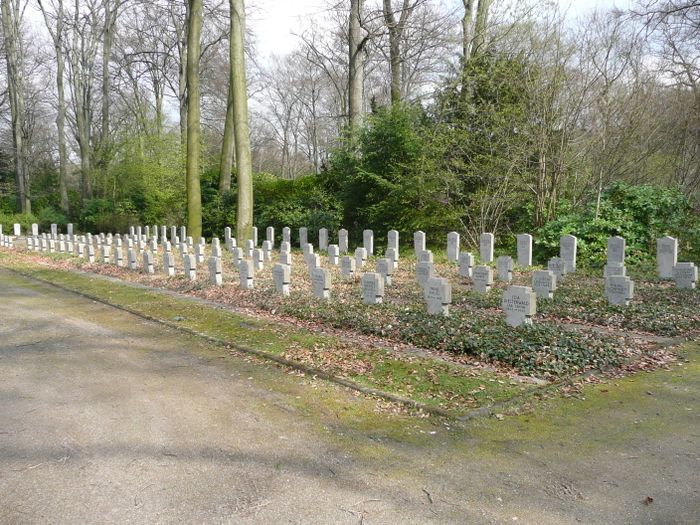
{"x": 246, "y": 272}
{"x": 303, "y": 237}
{"x": 685, "y": 274}
{"x": 281, "y": 275}
{"x": 424, "y": 272}
{"x": 616, "y": 250}
{"x": 215, "y": 271}
{"x": 321, "y": 283}
{"x": 372, "y": 288}
{"x": 237, "y": 255}
{"x": 105, "y": 254}
{"x": 368, "y": 241}
{"x": 612, "y": 269}
{"x": 486, "y": 247}
{"x": 35, "y": 229}
{"x": 313, "y": 260}
{"x": 90, "y": 253}
{"x": 54, "y": 231}
{"x": 133, "y": 263}
{"x": 619, "y": 290}
{"x": 347, "y": 267}
{"x": 169, "y": 263}
{"x": 148, "y": 263}
{"x": 393, "y": 255}
{"x": 286, "y": 258}
{"x": 333, "y": 254}
{"x": 558, "y": 266}
{"x": 666, "y": 256}
{"x": 199, "y": 253}
{"x": 418, "y": 242}
{"x": 392, "y": 240}
{"x": 482, "y": 276}
{"x": 425, "y": 256}
{"x": 255, "y": 235}
{"x": 343, "y": 240}
{"x": 437, "y": 293}
{"x": 267, "y": 251}
{"x": 81, "y": 250}
{"x": 249, "y": 247}
{"x": 216, "y": 248}
{"x": 385, "y": 269}
{"x": 360, "y": 257}
{"x": 118, "y": 257}
{"x": 258, "y": 261}
{"x": 568, "y": 245}
{"x": 544, "y": 283}
{"x": 466, "y": 264}
{"x": 453, "y": 246}
{"x": 520, "y": 304}
{"x": 323, "y": 239}
{"x": 524, "y": 242}
{"x": 504, "y": 268}
{"x": 287, "y": 234}
{"x": 270, "y": 236}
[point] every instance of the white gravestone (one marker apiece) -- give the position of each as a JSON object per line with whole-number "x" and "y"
{"x": 133, "y": 262}
{"x": 237, "y": 256}
{"x": 255, "y": 235}
{"x": 520, "y": 304}
{"x": 466, "y": 264}
{"x": 246, "y": 272}
{"x": 486, "y": 247}
{"x": 249, "y": 247}
{"x": 169, "y": 264}
{"x": 360, "y": 257}
{"x": 54, "y": 231}
{"x": 616, "y": 250}
{"x": 35, "y": 230}
{"x": 258, "y": 261}
{"x": 17, "y": 230}
{"x": 666, "y": 256}
{"x": 267, "y": 251}
{"x": 504, "y": 268}
{"x": 424, "y": 272}
{"x": 385, "y": 269}
{"x": 323, "y": 239}
{"x": 343, "y": 240}
{"x": 568, "y": 245}
{"x": 686, "y": 275}
{"x": 190, "y": 265}
{"x": 418, "y": 242}
{"x": 368, "y": 241}
{"x": 372, "y": 288}
{"x": 281, "y": 275}
{"x": 524, "y": 242}
{"x": 287, "y": 234}
{"x": 482, "y": 276}
{"x": 453, "y": 246}
{"x": 333, "y": 255}
{"x": 437, "y": 293}
{"x": 612, "y": 269}
{"x": 303, "y": 237}
{"x": 286, "y": 246}
{"x": 148, "y": 263}
{"x": 199, "y": 253}
{"x": 393, "y": 256}
{"x": 105, "y": 254}
{"x": 393, "y": 240}
{"x": 313, "y": 260}
{"x": 619, "y": 290}
{"x": 307, "y": 249}
{"x": 215, "y": 271}
{"x": 321, "y": 283}
{"x": 544, "y": 283}
{"x": 558, "y": 266}
{"x": 90, "y": 253}
{"x": 270, "y": 236}
{"x": 285, "y": 258}
{"x": 118, "y": 257}
{"x": 347, "y": 267}
{"x": 425, "y": 256}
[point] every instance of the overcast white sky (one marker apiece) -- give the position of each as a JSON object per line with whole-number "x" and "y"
{"x": 274, "y": 22}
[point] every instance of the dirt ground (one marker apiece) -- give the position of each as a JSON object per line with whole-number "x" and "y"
{"x": 106, "y": 418}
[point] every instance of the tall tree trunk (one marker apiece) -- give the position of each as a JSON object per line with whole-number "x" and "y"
{"x": 482, "y": 17}
{"x": 57, "y": 37}
{"x": 396, "y": 29}
{"x": 244, "y": 164}
{"x": 467, "y": 36}
{"x": 194, "y": 195}
{"x": 107, "y": 38}
{"x": 356, "y": 67}
{"x": 11, "y": 20}
{"x": 228, "y": 145}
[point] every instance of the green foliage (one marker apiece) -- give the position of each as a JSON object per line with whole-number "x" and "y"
{"x": 8, "y": 221}
{"x": 640, "y": 214}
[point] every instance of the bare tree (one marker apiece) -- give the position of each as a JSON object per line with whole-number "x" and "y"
{"x": 194, "y": 195}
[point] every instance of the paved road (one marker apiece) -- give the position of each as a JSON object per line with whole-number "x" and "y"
{"x": 105, "y": 418}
